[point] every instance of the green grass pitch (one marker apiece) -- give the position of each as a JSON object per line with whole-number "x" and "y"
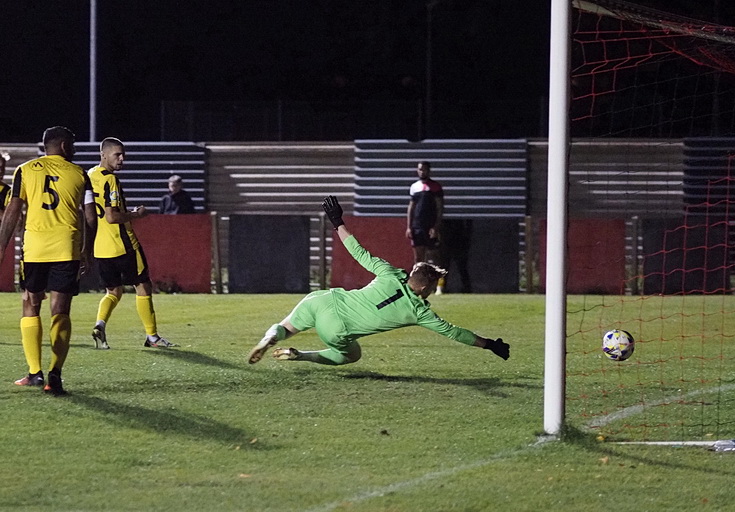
{"x": 421, "y": 423}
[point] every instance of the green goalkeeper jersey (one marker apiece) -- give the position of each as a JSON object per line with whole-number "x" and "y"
{"x": 387, "y": 302}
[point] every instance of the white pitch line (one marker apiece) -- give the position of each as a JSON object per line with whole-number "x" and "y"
{"x": 599, "y": 422}
{"x": 635, "y": 409}
{"x": 382, "y": 491}
{"x": 669, "y": 443}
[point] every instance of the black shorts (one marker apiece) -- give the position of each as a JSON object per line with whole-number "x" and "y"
{"x": 131, "y": 268}
{"x": 56, "y": 276}
{"x": 420, "y": 238}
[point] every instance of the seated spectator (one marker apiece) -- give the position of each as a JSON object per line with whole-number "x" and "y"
{"x": 177, "y": 200}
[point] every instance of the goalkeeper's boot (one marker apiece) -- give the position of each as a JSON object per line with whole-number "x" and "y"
{"x": 32, "y": 379}
{"x": 158, "y": 342}
{"x": 286, "y": 354}
{"x": 100, "y": 338}
{"x": 259, "y": 350}
{"x": 54, "y": 386}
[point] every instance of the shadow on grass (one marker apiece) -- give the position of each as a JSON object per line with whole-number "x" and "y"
{"x": 165, "y": 422}
{"x": 588, "y": 441}
{"x": 490, "y": 385}
{"x": 193, "y": 357}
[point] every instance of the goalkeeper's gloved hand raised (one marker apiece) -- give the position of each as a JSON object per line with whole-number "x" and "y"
{"x": 498, "y": 347}
{"x": 333, "y": 210}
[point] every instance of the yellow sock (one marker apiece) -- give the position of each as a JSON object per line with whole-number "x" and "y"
{"x": 107, "y": 305}
{"x": 60, "y": 334}
{"x": 31, "y": 334}
{"x": 144, "y": 305}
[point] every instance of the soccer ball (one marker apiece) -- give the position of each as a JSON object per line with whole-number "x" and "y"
{"x": 618, "y": 344}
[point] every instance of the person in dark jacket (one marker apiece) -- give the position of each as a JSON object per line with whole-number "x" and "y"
{"x": 177, "y": 200}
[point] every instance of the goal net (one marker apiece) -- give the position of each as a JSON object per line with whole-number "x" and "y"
{"x": 651, "y": 224}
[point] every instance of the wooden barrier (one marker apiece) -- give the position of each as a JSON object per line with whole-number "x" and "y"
{"x": 269, "y": 254}
{"x": 179, "y": 251}
{"x": 595, "y": 256}
{"x": 7, "y": 275}
{"x": 489, "y": 253}
{"x": 384, "y": 237}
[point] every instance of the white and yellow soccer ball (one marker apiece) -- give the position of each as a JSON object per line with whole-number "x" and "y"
{"x": 618, "y": 345}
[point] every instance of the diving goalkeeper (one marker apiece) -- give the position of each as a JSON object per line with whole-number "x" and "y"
{"x": 393, "y": 299}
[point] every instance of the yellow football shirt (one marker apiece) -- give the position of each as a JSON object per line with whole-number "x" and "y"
{"x": 53, "y": 189}
{"x": 112, "y": 240}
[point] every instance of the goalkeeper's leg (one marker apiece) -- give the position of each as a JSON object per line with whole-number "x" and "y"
{"x": 316, "y": 310}
{"x": 302, "y": 317}
{"x": 329, "y": 356}
{"x": 276, "y": 333}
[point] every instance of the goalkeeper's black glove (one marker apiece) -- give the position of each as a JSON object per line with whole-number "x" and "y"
{"x": 333, "y": 210}
{"x": 498, "y": 347}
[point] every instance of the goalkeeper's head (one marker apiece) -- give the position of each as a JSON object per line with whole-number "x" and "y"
{"x": 424, "y": 278}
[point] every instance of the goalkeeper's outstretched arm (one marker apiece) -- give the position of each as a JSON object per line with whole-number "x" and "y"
{"x": 369, "y": 262}
{"x": 343, "y": 233}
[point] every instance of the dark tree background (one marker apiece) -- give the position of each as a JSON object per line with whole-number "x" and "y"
{"x": 260, "y": 50}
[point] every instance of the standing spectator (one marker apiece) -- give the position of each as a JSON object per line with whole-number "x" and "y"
{"x": 52, "y": 189}
{"x": 119, "y": 254}
{"x": 424, "y": 217}
{"x": 177, "y": 200}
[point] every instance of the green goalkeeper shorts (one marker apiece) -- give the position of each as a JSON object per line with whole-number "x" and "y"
{"x": 317, "y": 310}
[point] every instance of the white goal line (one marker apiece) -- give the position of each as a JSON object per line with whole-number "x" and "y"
{"x": 671, "y": 443}
{"x": 636, "y": 409}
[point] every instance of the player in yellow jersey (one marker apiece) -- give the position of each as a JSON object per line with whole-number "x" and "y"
{"x": 119, "y": 255}
{"x": 53, "y": 190}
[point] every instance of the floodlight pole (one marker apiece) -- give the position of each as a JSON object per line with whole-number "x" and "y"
{"x": 92, "y": 70}
{"x": 556, "y": 230}
{"x": 428, "y": 98}
{"x": 428, "y": 89}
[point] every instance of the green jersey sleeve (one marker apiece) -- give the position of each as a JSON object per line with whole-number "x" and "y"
{"x": 372, "y": 264}
{"x": 430, "y": 320}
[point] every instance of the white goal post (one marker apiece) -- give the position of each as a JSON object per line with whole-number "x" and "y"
{"x": 561, "y": 122}
{"x": 556, "y": 233}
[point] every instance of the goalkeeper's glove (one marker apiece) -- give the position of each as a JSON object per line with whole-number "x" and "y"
{"x": 333, "y": 210}
{"x": 498, "y": 347}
